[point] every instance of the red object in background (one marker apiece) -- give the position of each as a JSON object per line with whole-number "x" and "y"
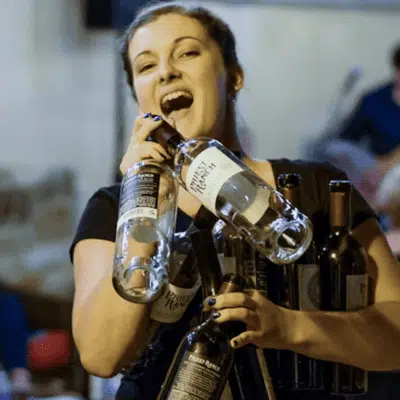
{"x": 48, "y": 350}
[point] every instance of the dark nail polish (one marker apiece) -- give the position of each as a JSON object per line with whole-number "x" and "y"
{"x": 147, "y": 115}
{"x": 156, "y": 118}
{"x": 201, "y": 306}
{"x": 211, "y": 302}
{"x": 234, "y": 343}
{"x": 215, "y": 315}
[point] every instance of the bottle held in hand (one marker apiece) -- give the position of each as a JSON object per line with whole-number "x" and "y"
{"x": 145, "y": 229}
{"x": 344, "y": 283}
{"x": 235, "y": 194}
{"x": 204, "y": 358}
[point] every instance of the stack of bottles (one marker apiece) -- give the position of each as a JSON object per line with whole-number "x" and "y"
{"x": 246, "y": 235}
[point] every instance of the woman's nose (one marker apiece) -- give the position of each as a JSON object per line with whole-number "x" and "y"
{"x": 168, "y": 72}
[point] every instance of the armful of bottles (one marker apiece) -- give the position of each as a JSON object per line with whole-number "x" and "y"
{"x": 330, "y": 276}
{"x": 224, "y": 185}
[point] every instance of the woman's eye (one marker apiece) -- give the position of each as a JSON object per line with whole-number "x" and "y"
{"x": 145, "y": 67}
{"x": 191, "y": 53}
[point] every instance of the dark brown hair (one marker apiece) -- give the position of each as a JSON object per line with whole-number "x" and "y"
{"x": 218, "y": 30}
{"x": 396, "y": 56}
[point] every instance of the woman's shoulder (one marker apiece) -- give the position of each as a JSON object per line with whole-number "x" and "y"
{"x": 110, "y": 193}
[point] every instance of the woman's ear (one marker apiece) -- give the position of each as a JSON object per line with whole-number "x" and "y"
{"x": 236, "y": 81}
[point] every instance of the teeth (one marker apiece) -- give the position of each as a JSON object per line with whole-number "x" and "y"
{"x": 175, "y": 95}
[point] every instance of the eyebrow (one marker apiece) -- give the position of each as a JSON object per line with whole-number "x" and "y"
{"x": 177, "y": 40}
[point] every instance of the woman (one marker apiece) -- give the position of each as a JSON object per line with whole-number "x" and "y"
{"x": 178, "y": 49}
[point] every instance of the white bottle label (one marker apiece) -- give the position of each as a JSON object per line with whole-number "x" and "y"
{"x": 173, "y": 303}
{"x": 309, "y": 287}
{"x": 139, "y": 197}
{"x": 207, "y": 173}
{"x": 356, "y": 292}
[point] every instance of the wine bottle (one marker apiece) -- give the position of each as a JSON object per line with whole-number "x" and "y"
{"x": 145, "y": 229}
{"x": 235, "y": 194}
{"x": 299, "y": 291}
{"x": 204, "y": 358}
{"x": 344, "y": 283}
{"x": 246, "y": 381}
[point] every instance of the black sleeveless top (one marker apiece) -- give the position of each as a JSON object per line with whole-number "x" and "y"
{"x": 143, "y": 379}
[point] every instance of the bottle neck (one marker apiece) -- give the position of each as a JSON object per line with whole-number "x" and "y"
{"x": 168, "y": 137}
{"x": 232, "y": 283}
{"x": 292, "y": 194}
{"x": 339, "y": 211}
{"x": 207, "y": 261}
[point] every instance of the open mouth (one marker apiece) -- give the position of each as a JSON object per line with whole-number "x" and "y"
{"x": 176, "y": 101}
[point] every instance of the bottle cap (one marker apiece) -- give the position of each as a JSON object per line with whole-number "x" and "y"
{"x": 288, "y": 181}
{"x": 340, "y": 186}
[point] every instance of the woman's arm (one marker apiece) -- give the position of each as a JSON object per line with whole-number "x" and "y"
{"x": 369, "y": 338}
{"x": 109, "y": 331}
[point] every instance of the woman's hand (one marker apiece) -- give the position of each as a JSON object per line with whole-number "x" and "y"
{"x": 265, "y": 321}
{"x": 140, "y": 149}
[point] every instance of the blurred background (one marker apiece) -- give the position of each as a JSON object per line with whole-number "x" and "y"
{"x": 66, "y": 116}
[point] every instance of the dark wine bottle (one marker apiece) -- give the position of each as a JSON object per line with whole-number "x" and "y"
{"x": 344, "y": 283}
{"x": 246, "y": 381}
{"x": 299, "y": 291}
{"x": 204, "y": 358}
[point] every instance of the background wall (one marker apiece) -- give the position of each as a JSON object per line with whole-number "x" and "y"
{"x": 57, "y": 80}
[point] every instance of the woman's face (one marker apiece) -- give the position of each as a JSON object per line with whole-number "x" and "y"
{"x": 179, "y": 74}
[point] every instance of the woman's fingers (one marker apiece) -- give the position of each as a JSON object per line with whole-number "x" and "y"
{"x": 242, "y": 314}
{"x": 143, "y": 127}
{"x": 229, "y": 300}
{"x": 139, "y": 148}
{"x": 247, "y": 337}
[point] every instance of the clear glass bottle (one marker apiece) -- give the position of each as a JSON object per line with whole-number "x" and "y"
{"x": 234, "y": 193}
{"x": 145, "y": 229}
{"x": 344, "y": 284}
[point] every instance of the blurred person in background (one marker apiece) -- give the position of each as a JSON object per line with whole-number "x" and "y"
{"x": 14, "y": 336}
{"x": 368, "y": 146}
{"x": 376, "y": 121}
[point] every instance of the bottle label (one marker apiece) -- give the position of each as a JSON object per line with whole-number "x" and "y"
{"x": 197, "y": 378}
{"x": 356, "y": 292}
{"x": 207, "y": 173}
{"x": 139, "y": 197}
{"x": 249, "y": 270}
{"x": 309, "y": 287}
{"x": 262, "y": 265}
{"x": 173, "y": 303}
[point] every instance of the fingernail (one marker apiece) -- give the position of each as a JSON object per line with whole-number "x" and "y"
{"x": 147, "y": 115}
{"x": 211, "y": 302}
{"x": 234, "y": 343}
{"x": 156, "y": 118}
{"x": 215, "y": 315}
